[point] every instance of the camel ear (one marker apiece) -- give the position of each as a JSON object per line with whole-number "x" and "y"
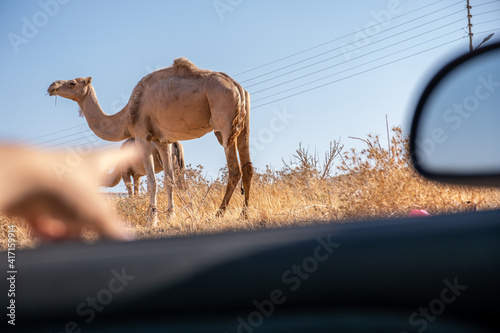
{"x": 88, "y": 80}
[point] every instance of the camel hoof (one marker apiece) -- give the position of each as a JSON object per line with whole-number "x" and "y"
{"x": 153, "y": 220}
{"x": 220, "y": 212}
{"x": 153, "y": 216}
{"x": 170, "y": 213}
{"x": 244, "y": 213}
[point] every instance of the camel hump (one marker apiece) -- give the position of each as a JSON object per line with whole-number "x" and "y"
{"x": 186, "y": 64}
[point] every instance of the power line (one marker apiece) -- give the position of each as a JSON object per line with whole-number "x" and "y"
{"x": 484, "y": 4}
{"x": 323, "y": 44}
{"x": 90, "y": 135}
{"x": 489, "y": 12}
{"x": 490, "y": 21}
{"x": 49, "y": 134}
{"x": 346, "y": 70}
{"x": 356, "y": 74}
{"x": 62, "y": 137}
{"x": 89, "y": 140}
{"x": 381, "y": 32}
{"x": 310, "y": 65}
{"x": 487, "y": 31}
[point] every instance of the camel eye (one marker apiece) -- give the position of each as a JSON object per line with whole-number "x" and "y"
{"x": 72, "y": 84}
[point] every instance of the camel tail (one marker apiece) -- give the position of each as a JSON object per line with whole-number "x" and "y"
{"x": 239, "y": 117}
{"x": 111, "y": 179}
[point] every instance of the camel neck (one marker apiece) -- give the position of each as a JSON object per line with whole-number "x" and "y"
{"x": 107, "y": 127}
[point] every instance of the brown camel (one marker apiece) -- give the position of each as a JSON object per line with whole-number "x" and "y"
{"x": 180, "y": 102}
{"x": 135, "y": 168}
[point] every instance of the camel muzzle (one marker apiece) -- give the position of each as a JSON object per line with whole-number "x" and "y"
{"x": 53, "y": 88}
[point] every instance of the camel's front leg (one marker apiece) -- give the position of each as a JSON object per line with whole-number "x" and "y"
{"x": 147, "y": 158}
{"x": 165, "y": 151}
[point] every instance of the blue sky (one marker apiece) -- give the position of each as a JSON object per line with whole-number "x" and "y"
{"x": 371, "y": 56}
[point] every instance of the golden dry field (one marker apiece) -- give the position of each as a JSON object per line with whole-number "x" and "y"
{"x": 340, "y": 186}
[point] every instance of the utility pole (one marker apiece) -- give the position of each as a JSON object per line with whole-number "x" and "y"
{"x": 469, "y": 16}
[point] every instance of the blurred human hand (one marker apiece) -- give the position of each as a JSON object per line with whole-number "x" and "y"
{"x": 57, "y": 192}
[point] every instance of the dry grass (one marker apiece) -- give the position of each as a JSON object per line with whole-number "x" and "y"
{"x": 344, "y": 186}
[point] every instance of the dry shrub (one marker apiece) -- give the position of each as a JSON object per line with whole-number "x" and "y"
{"x": 24, "y": 238}
{"x": 377, "y": 182}
{"x": 343, "y": 186}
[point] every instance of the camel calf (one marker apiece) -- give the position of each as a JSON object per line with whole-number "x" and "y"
{"x": 134, "y": 169}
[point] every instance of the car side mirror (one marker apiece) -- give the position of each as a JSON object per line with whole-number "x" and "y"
{"x": 455, "y": 134}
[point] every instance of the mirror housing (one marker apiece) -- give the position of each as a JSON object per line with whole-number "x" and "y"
{"x": 455, "y": 133}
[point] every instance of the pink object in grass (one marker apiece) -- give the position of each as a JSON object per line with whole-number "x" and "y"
{"x": 418, "y": 213}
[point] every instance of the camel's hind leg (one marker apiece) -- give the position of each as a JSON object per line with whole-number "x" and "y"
{"x": 127, "y": 181}
{"x": 179, "y": 165}
{"x": 223, "y": 118}
{"x": 243, "y": 143}
{"x": 137, "y": 183}
{"x": 247, "y": 170}
{"x": 234, "y": 175}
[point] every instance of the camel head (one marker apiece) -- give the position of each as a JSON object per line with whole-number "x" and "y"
{"x": 74, "y": 89}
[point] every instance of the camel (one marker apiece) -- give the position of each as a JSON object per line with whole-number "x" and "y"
{"x": 135, "y": 168}
{"x": 180, "y": 102}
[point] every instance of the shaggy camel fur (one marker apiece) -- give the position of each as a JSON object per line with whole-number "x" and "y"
{"x": 180, "y": 102}
{"x": 135, "y": 169}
